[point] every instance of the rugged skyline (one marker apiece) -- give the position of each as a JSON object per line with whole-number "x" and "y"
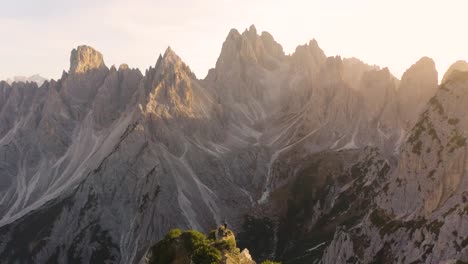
{"x": 391, "y": 34}
{"x": 309, "y": 157}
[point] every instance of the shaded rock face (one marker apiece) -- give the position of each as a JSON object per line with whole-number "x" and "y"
{"x": 115, "y": 95}
{"x": 114, "y": 158}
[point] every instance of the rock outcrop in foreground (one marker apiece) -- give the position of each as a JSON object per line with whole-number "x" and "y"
{"x": 188, "y": 247}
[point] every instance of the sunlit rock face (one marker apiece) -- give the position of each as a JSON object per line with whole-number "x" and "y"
{"x": 85, "y": 58}
{"x": 418, "y": 84}
{"x": 98, "y": 165}
{"x": 460, "y": 65}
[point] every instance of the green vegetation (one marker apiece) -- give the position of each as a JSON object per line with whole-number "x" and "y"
{"x": 379, "y": 218}
{"x": 206, "y": 254}
{"x": 388, "y": 225}
{"x": 415, "y": 137}
{"x": 225, "y": 245}
{"x": 270, "y": 262}
{"x": 417, "y": 148}
{"x": 424, "y": 125}
{"x": 193, "y": 244}
{"x": 173, "y": 234}
{"x": 194, "y": 247}
{"x": 212, "y": 235}
{"x": 435, "y": 226}
{"x": 437, "y": 105}
{"x": 456, "y": 141}
{"x": 453, "y": 121}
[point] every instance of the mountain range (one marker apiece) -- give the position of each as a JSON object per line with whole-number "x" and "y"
{"x": 309, "y": 158}
{"x": 34, "y": 78}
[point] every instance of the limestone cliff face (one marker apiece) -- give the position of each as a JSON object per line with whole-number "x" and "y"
{"x": 114, "y": 158}
{"x": 418, "y": 84}
{"x": 85, "y": 58}
{"x": 355, "y": 69}
{"x": 432, "y": 164}
{"x": 248, "y": 75}
{"x": 80, "y": 85}
{"x": 115, "y": 95}
{"x": 423, "y": 201}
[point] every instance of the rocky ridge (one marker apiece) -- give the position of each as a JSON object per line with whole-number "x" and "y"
{"x": 293, "y": 145}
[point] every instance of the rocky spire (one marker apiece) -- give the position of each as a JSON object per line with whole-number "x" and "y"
{"x": 250, "y": 48}
{"x": 85, "y": 58}
{"x": 309, "y": 57}
{"x": 169, "y": 86}
{"x": 418, "y": 84}
{"x": 170, "y": 61}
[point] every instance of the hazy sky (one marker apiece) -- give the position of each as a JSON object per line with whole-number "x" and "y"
{"x": 38, "y": 35}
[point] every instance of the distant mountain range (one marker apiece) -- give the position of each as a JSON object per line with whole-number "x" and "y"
{"x": 34, "y": 78}
{"x": 309, "y": 158}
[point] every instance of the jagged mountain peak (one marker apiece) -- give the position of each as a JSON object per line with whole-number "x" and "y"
{"x": 425, "y": 61}
{"x": 165, "y": 149}
{"x": 233, "y": 34}
{"x": 334, "y": 66}
{"x": 250, "y": 48}
{"x": 113, "y": 68}
{"x": 85, "y": 58}
{"x": 169, "y": 87}
{"x": 354, "y": 71}
{"x": 251, "y": 31}
{"x": 308, "y": 57}
{"x": 171, "y": 57}
{"x": 425, "y": 65}
{"x": 460, "y": 65}
{"x": 384, "y": 72}
{"x": 123, "y": 67}
{"x": 170, "y": 53}
{"x": 418, "y": 84}
{"x": 378, "y": 76}
{"x": 312, "y": 45}
{"x": 170, "y": 61}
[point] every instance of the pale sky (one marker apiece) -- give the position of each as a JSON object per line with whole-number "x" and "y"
{"x": 38, "y": 35}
